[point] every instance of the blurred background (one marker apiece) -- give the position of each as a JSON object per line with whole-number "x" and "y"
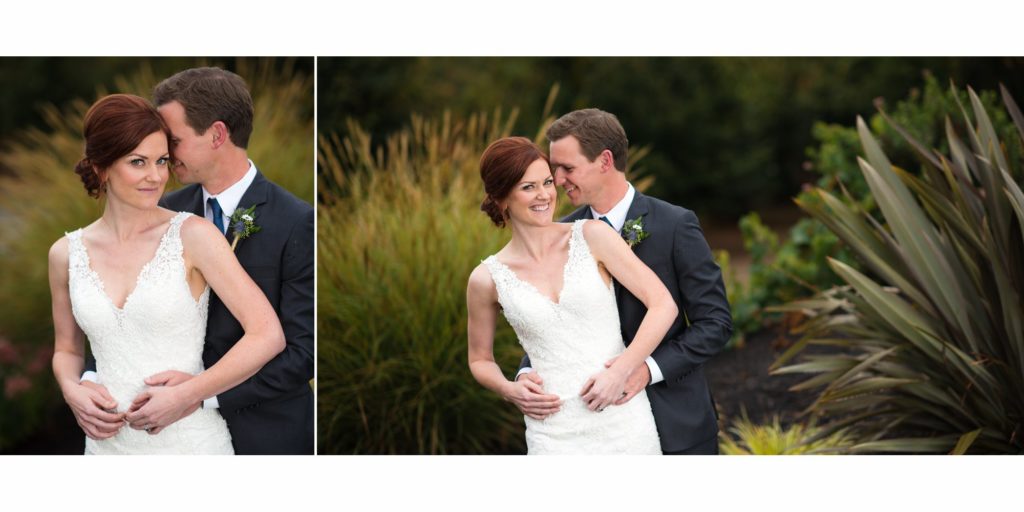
{"x": 42, "y": 104}
{"x": 738, "y": 140}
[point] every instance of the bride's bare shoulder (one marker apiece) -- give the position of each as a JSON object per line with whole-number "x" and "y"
{"x": 58, "y": 255}
{"x": 481, "y": 284}
{"x": 198, "y": 229}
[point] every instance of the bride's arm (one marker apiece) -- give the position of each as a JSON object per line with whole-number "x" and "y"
{"x": 89, "y": 403}
{"x": 610, "y": 250}
{"x": 482, "y": 302}
{"x": 208, "y": 252}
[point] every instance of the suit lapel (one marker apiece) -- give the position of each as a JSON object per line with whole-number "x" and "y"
{"x": 638, "y": 208}
{"x": 255, "y": 195}
{"x": 198, "y": 208}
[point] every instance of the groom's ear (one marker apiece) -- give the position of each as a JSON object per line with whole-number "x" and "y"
{"x": 607, "y": 160}
{"x": 220, "y": 133}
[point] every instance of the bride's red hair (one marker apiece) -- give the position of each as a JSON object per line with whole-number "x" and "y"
{"x": 114, "y": 126}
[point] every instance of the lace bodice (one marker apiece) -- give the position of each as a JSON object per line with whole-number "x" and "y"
{"x": 568, "y": 341}
{"x": 160, "y": 327}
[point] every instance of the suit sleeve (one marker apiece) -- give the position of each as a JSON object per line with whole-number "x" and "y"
{"x": 525, "y": 363}
{"x": 293, "y": 367}
{"x": 701, "y": 298}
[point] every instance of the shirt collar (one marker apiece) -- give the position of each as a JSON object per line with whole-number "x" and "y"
{"x": 232, "y": 195}
{"x": 617, "y": 215}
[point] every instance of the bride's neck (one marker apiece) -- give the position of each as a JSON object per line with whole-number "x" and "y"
{"x": 534, "y": 241}
{"x": 127, "y": 221}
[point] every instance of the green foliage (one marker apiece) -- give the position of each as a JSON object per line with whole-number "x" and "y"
{"x": 932, "y": 324}
{"x": 797, "y": 267}
{"x": 774, "y": 439}
{"x": 398, "y": 238}
{"x": 43, "y": 199}
{"x": 729, "y": 134}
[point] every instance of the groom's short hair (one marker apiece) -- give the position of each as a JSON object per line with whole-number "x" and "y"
{"x": 596, "y": 131}
{"x": 210, "y": 95}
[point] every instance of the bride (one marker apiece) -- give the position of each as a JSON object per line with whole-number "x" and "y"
{"x": 136, "y": 283}
{"x": 554, "y": 284}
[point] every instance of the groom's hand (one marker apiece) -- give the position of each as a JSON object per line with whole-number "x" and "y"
{"x": 92, "y": 404}
{"x": 527, "y": 392}
{"x": 637, "y": 381}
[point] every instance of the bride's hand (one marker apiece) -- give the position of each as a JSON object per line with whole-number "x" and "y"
{"x": 158, "y": 407}
{"x": 91, "y": 403}
{"x": 604, "y": 388}
{"x": 527, "y": 392}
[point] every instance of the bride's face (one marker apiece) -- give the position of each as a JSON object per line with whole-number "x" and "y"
{"x": 138, "y": 178}
{"x": 532, "y": 200}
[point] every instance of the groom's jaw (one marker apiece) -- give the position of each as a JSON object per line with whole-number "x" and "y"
{"x": 572, "y": 191}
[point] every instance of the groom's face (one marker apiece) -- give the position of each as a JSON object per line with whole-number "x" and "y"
{"x": 574, "y": 172}
{"x": 191, "y": 150}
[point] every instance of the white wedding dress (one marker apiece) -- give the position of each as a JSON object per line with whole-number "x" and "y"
{"x": 161, "y": 327}
{"x": 568, "y": 342}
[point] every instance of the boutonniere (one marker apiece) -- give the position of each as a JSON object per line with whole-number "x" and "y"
{"x": 633, "y": 232}
{"x": 243, "y": 222}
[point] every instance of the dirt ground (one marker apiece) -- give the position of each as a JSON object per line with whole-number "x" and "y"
{"x": 740, "y": 381}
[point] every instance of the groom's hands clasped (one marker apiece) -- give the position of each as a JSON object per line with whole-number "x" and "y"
{"x": 527, "y": 392}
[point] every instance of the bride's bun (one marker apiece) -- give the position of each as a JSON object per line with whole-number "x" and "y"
{"x": 491, "y": 208}
{"x": 502, "y": 166}
{"x": 90, "y": 179}
{"x": 114, "y": 126}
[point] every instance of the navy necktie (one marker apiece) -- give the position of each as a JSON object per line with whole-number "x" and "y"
{"x": 606, "y": 221}
{"x": 218, "y": 214}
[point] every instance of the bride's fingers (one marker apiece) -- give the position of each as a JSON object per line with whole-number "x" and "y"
{"x": 586, "y": 388}
{"x": 104, "y": 417}
{"x": 101, "y": 397}
{"x": 532, "y": 386}
{"x": 140, "y": 400}
{"x": 610, "y": 362}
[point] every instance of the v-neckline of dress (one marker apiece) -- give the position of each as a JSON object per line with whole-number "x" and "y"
{"x": 138, "y": 277}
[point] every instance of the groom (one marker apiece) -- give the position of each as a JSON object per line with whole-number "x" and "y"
{"x": 588, "y": 157}
{"x": 210, "y": 113}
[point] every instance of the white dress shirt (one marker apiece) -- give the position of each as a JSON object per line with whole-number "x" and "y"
{"x": 230, "y": 197}
{"x": 228, "y": 200}
{"x": 617, "y": 217}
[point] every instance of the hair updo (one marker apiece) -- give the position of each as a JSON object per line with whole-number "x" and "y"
{"x": 114, "y": 126}
{"x": 502, "y": 166}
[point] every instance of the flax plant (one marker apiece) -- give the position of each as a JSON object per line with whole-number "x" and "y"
{"x": 933, "y": 324}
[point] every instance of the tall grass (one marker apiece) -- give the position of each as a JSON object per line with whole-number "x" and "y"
{"x": 43, "y": 198}
{"x": 399, "y": 232}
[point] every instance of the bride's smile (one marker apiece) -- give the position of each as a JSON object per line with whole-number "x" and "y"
{"x": 533, "y": 199}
